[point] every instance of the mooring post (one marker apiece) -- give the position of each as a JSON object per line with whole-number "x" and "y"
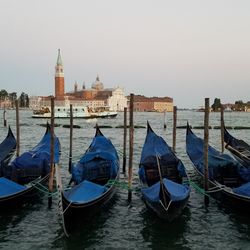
{"x": 52, "y": 142}
{"x": 222, "y": 127}
{"x": 165, "y": 125}
{"x": 131, "y": 143}
{"x": 174, "y": 127}
{"x": 206, "y": 138}
{"x": 17, "y": 130}
{"x": 124, "y": 141}
{"x": 4, "y": 117}
{"x": 70, "y": 138}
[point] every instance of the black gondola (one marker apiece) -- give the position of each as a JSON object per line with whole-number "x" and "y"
{"x": 23, "y": 176}
{"x": 7, "y": 149}
{"x": 165, "y": 186}
{"x": 93, "y": 177}
{"x": 239, "y": 148}
{"x": 229, "y": 181}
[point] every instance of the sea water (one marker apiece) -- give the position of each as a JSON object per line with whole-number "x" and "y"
{"x": 126, "y": 225}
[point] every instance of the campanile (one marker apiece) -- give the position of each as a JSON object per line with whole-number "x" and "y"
{"x": 59, "y": 77}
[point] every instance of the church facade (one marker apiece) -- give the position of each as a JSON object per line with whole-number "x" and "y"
{"x": 98, "y": 96}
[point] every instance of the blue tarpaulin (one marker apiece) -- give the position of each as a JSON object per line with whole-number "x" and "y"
{"x": 177, "y": 191}
{"x": 85, "y": 192}
{"x": 155, "y": 145}
{"x": 99, "y": 161}
{"x": 35, "y": 162}
{"x": 218, "y": 164}
{"x": 8, "y": 187}
{"x": 243, "y": 189}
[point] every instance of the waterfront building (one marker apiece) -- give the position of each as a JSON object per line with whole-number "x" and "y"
{"x": 147, "y": 104}
{"x": 98, "y": 96}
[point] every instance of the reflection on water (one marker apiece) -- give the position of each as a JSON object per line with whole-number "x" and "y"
{"x": 123, "y": 225}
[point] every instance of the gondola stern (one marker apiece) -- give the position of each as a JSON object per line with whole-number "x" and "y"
{"x": 149, "y": 128}
{"x": 98, "y": 131}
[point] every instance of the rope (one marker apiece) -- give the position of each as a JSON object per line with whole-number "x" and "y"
{"x": 197, "y": 188}
{"x": 216, "y": 189}
{"x": 203, "y": 192}
{"x": 40, "y": 187}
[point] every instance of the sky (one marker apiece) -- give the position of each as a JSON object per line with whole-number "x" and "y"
{"x": 184, "y": 49}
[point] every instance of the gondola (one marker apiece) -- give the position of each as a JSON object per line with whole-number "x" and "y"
{"x": 229, "y": 181}
{"x": 7, "y": 149}
{"x": 164, "y": 182}
{"x": 92, "y": 183}
{"x": 239, "y": 148}
{"x": 22, "y": 178}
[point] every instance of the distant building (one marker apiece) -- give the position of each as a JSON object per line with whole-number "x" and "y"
{"x": 6, "y": 103}
{"x": 59, "y": 78}
{"x": 96, "y": 96}
{"x": 159, "y": 104}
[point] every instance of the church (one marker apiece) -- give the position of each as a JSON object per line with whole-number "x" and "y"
{"x": 94, "y": 97}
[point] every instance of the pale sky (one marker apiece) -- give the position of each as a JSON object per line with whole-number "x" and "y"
{"x": 185, "y": 49}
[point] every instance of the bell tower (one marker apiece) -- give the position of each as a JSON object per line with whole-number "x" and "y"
{"x": 59, "y": 77}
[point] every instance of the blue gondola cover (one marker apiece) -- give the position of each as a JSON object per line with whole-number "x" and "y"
{"x": 177, "y": 191}
{"x": 35, "y": 162}
{"x": 8, "y": 187}
{"x": 100, "y": 160}
{"x": 85, "y": 192}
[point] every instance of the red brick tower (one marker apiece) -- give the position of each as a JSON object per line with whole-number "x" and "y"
{"x": 59, "y": 78}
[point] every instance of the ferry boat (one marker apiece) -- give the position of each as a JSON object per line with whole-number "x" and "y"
{"x": 78, "y": 112}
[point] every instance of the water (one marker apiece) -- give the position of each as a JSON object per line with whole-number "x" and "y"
{"x": 123, "y": 225}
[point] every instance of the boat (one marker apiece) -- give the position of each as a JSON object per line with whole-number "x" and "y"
{"x": 7, "y": 149}
{"x": 22, "y": 178}
{"x": 164, "y": 181}
{"x": 83, "y": 112}
{"x": 229, "y": 181}
{"x": 92, "y": 183}
{"x": 239, "y": 148}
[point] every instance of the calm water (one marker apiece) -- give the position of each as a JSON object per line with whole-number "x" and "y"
{"x": 123, "y": 225}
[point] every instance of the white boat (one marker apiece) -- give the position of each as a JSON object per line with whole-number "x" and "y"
{"x": 78, "y": 112}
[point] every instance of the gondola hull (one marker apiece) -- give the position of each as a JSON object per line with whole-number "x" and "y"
{"x": 94, "y": 177}
{"x": 174, "y": 210}
{"x": 75, "y": 215}
{"x": 19, "y": 198}
{"x": 162, "y": 176}
{"x": 239, "y": 148}
{"x": 225, "y": 174}
{"x": 21, "y": 180}
{"x": 226, "y": 196}
{"x": 7, "y": 149}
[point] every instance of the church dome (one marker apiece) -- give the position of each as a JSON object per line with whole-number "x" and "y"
{"x": 97, "y": 84}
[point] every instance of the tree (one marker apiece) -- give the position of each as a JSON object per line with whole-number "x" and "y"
{"x": 239, "y": 105}
{"x": 217, "y": 105}
{"x": 27, "y": 101}
{"x": 13, "y": 97}
{"x": 3, "y": 94}
{"x": 22, "y": 100}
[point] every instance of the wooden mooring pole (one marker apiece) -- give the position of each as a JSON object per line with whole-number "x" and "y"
{"x": 124, "y": 141}
{"x": 206, "y": 138}
{"x": 52, "y": 143}
{"x": 17, "y": 130}
{"x": 222, "y": 127}
{"x": 131, "y": 143}
{"x": 4, "y": 117}
{"x": 165, "y": 125}
{"x": 70, "y": 138}
{"x": 174, "y": 127}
